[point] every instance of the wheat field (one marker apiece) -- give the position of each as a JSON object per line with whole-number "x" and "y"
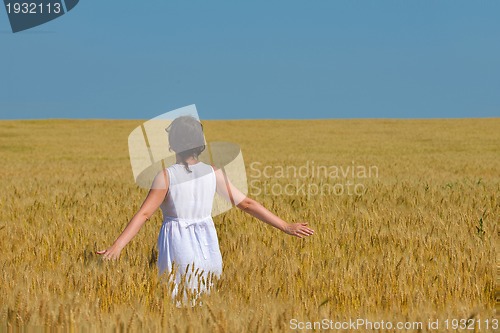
{"x": 417, "y": 244}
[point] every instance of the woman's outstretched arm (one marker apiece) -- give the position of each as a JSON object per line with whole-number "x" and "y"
{"x": 154, "y": 199}
{"x": 227, "y": 190}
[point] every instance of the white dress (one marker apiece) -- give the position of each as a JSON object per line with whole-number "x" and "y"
{"x": 187, "y": 235}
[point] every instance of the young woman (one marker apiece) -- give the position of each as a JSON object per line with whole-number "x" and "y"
{"x": 185, "y": 191}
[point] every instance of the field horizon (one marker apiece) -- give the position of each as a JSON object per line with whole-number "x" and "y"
{"x": 262, "y": 119}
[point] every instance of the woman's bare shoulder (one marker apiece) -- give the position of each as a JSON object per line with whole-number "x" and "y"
{"x": 161, "y": 180}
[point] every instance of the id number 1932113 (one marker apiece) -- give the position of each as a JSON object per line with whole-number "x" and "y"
{"x": 33, "y": 8}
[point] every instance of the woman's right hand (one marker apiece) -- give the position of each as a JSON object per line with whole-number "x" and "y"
{"x": 111, "y": 253}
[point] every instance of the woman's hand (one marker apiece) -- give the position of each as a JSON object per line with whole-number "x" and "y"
{"x": 298, "y": 229}
{"x": 111, "y": 253}
{"x": 152, "y": 202}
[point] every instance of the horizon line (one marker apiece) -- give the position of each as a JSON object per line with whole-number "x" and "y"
{"x": 251, "y": 119}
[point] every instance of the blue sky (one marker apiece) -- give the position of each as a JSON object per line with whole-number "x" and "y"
{"x": 256, "y": 60}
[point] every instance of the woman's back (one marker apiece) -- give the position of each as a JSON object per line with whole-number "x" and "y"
{"x": 187, "y": 236}
{"x": 191, "y": 194}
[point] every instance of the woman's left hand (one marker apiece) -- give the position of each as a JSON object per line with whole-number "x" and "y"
{"x": 298, "y": 230}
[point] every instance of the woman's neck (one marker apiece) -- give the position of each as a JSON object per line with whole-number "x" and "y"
{"x": 190, "y": 160}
